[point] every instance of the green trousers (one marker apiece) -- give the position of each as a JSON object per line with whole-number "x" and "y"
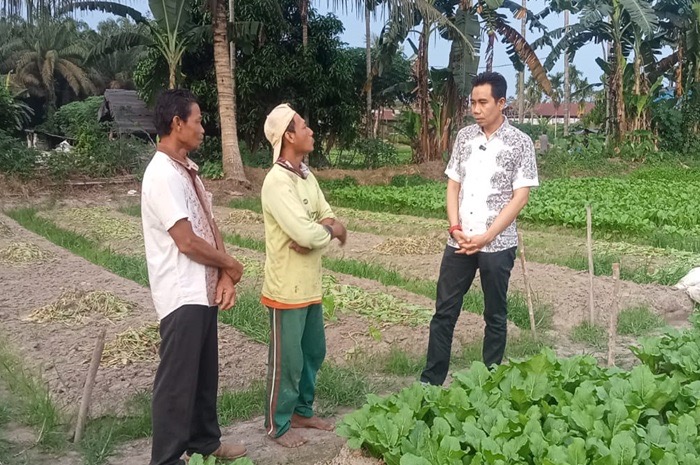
{"x": 297, "y": 350}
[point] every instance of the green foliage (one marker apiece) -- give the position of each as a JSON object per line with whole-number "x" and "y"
{"x": 14, "y": 114}
{"x": 15, "y": 158}
{"x": 242, "y": 405}
{"x": 542, "y": 410}
{"x": 197, "y": 459}
{"x": 375, "y": 153}
{"x": 591, "y": 334}
{"x": 638, "y": 321}
{"x": 405, "y": 180}
{"x": 212, "y": 170}
{"x": 318, "y": 82}
{"x": 76, "y": 118}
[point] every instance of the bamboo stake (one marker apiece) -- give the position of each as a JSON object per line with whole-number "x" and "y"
{"x": 89, "y": 385}
{"x": 612, "y": 330}
{"x": 589, "y": 245}
{"x": 523, "y": 262}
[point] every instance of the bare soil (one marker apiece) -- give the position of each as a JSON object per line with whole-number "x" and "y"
{"x": 61, "y": 352}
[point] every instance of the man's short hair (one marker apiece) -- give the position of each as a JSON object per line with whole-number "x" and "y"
{"x": 169, "y": 104}
{"x": 498, "y": 83}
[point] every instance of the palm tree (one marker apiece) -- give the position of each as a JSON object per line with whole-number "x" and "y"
{"x": 224, "y": 64}
{"x": 556, "y": 96}
{"x": 171, "y": 34}
{"x": 48, "y": 55}
{"x": 619, "y": 22}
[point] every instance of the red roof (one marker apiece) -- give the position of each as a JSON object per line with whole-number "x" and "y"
{"x": 549, "y": 111}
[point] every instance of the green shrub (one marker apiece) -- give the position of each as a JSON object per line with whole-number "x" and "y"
{"x": 376, "y": 153}
{"x": 75, "y": 118}
{"x": 15, "y": 158}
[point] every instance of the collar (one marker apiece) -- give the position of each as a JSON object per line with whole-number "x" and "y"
{"x": 303, "y": 171}
{"x": 498, "y": 132}
{"x": 188, "y": 164}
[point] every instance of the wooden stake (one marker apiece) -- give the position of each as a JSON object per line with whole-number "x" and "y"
{"x": 612, "y": 329}
{"x": 589, "y": 244}
{"x": 530, "y": 309}
{"x": 89, "y": 384}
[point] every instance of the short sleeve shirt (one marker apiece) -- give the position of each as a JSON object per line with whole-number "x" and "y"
{"x": 170, "y": 193}
{"x": 489, "y": 170}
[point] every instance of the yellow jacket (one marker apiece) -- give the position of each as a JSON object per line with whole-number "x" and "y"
{"x": 292, "y": 208}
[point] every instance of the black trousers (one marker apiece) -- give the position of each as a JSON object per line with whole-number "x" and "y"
{"x": 456, "y": 276}
{"x": 185, "y": 387}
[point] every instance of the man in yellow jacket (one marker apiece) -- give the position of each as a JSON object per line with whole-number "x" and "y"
{"x": 299, "y": 225}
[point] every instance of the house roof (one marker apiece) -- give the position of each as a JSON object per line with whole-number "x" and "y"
{"x": 548, "y": 109}
{"x": 128, "y": 112}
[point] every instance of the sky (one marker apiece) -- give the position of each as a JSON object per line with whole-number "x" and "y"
{"x": 439, "y": 49}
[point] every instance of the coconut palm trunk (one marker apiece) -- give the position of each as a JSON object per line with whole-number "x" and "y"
{"x": 224, "y": 67}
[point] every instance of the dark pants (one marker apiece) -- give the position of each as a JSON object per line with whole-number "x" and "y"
{"x": 185, "y": 388}
{"x": 456, "y": 276}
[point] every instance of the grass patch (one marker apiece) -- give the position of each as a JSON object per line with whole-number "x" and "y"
{"x": 245, "y": 242}
{"x": 103, "y": 434}
{"x": 602, "y": 266}
{"x": 249, "y": 316}
{"x": 590, "y": 334}
{"x": 131, "y": 210}
{"x": 247, "y": 203}
{"x": 31, "y": 402}
{"x": 133, "y": 268}
{"x": 638, "y": 321}
{"x": 399, "y": 363}
{"x": 518, "y": 347}
{"x": 340, "y": 386}
{"x": 242, "y": 405}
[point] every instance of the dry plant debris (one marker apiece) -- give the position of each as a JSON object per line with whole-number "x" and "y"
{"x": 23, "y": 253}
{"x": 133, "y": 345}
{"x": 411, "y": 246}
{"x": 73, "y": 307}
{"x": 238, "y": 217}
{"x": 102, "y": 222}
{"x": 5, "y": 230}
{"x": 375, "y": 306}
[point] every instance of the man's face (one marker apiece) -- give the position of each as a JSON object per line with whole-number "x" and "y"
{"x": 190, "y": 133}
{"x": 302, "y": 139}
{"x": 486, "y": 110}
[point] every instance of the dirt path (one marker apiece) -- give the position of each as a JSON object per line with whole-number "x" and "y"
{"x": 60, "y": 351}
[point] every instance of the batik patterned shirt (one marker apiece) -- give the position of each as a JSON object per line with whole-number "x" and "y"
{"x": 489, "y": 170}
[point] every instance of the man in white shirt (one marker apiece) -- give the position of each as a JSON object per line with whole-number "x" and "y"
{"x": 191, "y": 277}
{"x": 491, "y": 171}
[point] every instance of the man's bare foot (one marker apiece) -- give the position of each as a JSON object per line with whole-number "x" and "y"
{"x": 290, "y": 439}
{"x": 314, "y": 422}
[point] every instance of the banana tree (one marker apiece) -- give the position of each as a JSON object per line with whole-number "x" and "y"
{"x": 171, "y": 34}
{"x": 622, "y": 24}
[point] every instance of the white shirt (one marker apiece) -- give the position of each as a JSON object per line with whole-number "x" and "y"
{"x": 168, "y": 194}
{"x": 489, "y": 170}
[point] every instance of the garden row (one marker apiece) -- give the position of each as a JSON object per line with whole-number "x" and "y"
{"x": 546, "y": 411}
{"x": 654, "y": 204}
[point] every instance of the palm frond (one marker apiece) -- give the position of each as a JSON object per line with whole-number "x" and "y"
{"x": 114, "y": 8}
{"x": 526, "y": 54}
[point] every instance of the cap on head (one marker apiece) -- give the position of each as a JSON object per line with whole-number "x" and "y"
{"x": 276, "y": 125}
